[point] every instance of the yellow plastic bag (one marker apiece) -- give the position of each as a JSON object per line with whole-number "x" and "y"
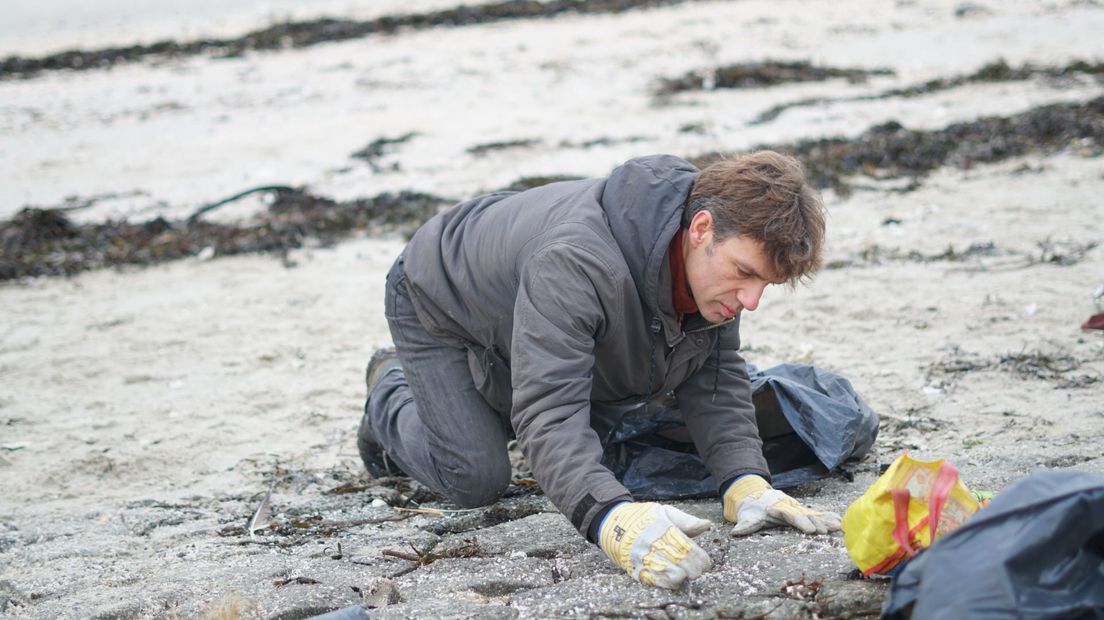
{"x": 913, "y": 503}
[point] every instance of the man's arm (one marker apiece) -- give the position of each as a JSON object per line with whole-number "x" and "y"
{"x": 558, "y": 320}
{"x": 558, "y": 317}
{"x": 717, "y": 407}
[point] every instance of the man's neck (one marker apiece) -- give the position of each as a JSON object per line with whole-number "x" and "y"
{"x": 680, "y": 290}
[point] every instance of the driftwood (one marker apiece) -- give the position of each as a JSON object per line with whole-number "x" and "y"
{"x": 279, "y": 189}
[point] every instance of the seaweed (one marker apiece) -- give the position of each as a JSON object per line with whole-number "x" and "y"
{"x": 481, "y": 150}
{"x": 759, "y": 75}
{"x": 1049, "y": 366}
{"x": 997, "y": 71}
{"x": 46, "y": 242}
{"x": 380, "y": 147}
{"x": 299, "y": 34}
{"x": 525, "y": 183}
{"x": 890, "y": 150}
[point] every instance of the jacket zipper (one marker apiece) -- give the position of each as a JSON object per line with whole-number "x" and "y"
{"x": 656, "y": 328}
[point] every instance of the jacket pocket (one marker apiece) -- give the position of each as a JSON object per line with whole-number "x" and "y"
{"x": 491, "y": 375}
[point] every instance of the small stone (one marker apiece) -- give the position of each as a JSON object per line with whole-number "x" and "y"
{"x": 852, "y": 599}
{"x": 381, "y": 594}
{"x": 970, "y": 9}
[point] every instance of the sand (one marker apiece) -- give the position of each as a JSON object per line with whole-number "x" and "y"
{"x": 204, "y": 381}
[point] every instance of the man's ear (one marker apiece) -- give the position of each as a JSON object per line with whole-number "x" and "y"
{"x": 700, "y": 227}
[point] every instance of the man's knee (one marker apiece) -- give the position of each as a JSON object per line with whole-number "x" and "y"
{"x": 478, "y": 486}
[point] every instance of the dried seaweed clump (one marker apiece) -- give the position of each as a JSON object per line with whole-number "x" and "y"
{"x": 45, "y": 242}
{"x": 1056, "y": 367}
{"x": 312, "y": 32}
{"x": 997, "y": 71}
{"x": 760, "y": 75}
{"x": 891, "y": 150}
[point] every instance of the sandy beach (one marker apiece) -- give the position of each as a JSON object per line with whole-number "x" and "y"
{"x": 146, "y": 410}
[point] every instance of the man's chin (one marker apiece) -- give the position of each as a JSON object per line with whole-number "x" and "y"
{"x": 720, "y": 316}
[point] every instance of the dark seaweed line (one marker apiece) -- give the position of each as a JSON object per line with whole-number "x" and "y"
{"x": 45, "y": 242}
{"x": 312, "y": 32}
{"x": 760, "y": 75}
{"x": 998, "y": 71}
{"x": 893, "y": 151}
{"x": 1063, "y": 253}
{"x": 1054, "y": 366}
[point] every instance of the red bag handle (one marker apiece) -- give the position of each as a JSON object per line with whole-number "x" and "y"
{"x": 941, "y": 489}
{"x": 901, "y": 499}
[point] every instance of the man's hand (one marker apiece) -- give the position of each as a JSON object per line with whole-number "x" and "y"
{"x": 752, "y": 504}
{"x": 650, "y": 541}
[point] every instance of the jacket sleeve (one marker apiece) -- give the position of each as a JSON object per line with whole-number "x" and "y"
{"x": 717, "y": 408}
{"x": 558, "y": 318}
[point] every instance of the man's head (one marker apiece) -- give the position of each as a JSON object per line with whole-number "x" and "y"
{"x": 749, "y": 222}
{"x": 763, "y": 196}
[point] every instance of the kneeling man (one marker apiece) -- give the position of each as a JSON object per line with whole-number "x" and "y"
{"x": 515, "y": 313}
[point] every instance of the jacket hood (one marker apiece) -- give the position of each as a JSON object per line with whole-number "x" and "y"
{"x": 643, "y": 200}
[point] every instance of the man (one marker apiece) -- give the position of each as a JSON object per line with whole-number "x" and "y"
{"x": 528, "y": 310}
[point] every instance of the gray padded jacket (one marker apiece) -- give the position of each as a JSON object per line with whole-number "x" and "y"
{"x": 562, "y": 296}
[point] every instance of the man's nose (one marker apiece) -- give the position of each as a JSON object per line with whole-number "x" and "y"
{"x": 750, "y": 295}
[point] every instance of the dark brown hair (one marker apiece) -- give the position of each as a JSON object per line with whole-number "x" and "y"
{"x": 764, "y": 196}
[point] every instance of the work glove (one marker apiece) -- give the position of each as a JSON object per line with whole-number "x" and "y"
{"x": 752, "y": 504}
{"x": 650, "y": 542}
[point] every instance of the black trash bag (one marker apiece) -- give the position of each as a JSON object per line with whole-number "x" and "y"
{"x": 801, "y": 408}
{"x": 811, "y": 420}
{"x": 1036, "y": 552}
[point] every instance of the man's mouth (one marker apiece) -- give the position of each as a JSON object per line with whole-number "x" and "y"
{"x": 727, "y": 312}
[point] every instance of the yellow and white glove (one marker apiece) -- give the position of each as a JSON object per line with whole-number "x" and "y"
{"x": 651, "y": 542}
{"x": 752, "y": 504}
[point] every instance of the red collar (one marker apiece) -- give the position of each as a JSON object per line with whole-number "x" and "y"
{"x": 684, "y": 301}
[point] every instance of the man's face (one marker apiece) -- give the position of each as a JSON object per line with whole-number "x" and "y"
{"x": 725, "y": 277}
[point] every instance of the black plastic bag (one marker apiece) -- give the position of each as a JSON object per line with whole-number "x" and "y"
{"x": 811, "y": 420}
{"x": 1036, "y": 552}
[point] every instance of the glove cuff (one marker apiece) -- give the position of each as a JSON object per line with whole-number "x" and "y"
{"x": 744, "y": 487}
{"x": 594, "y": 532}
{"x": 622, "y": 526}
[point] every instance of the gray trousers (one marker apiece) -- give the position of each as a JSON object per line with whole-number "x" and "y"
{"x": 430, "y": 418}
